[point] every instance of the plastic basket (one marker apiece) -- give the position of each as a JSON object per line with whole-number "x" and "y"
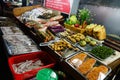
{"x": 48, "y": 61}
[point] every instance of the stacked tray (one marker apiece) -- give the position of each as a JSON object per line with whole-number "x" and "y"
{"x": 11, "y": 30}
{"x": 5, "y": 21}
{"x": 88, "y": 67}
{"x": 19, "y": 44}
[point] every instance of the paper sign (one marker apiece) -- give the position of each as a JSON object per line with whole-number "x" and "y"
{"x": 60, "y": 5}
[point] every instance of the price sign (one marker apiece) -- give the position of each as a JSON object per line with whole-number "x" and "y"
{"x": 60, "y": 5}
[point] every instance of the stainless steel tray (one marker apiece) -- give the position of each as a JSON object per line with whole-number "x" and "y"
{"x": 66, "y": 52}
{"x": 16, "y": 47}
{"x": 88, "y": 56}
{"x": 89, "y": 47}
{"x": 11, "y": 30}
{"x": 98, "y": 56}
{"x": 5, "y": 21}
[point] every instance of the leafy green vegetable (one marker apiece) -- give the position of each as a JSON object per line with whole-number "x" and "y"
{"x": 69, "y": 22}
{"x": 102, "y": 51}
{"x": 72, "y": 20}
{"x": 84, "y": 15}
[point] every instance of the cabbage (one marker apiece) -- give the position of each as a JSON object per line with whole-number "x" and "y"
{"x": 73, "y": 19}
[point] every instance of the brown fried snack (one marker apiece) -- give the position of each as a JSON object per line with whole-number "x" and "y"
{"x": 80, "y": 56}
{"x": 87, "y": 65}
{"x": 94, "y": 73}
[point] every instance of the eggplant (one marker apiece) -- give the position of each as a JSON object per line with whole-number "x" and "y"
{"x": 57, "y": 30}
{"x": 55, "y": 27}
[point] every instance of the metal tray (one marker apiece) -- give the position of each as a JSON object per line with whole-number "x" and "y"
{"x": 98, "y": 56}
{"x": 22, "y": 47}
{"x": 73, "y": 43}
{"x": 66, "y": 52}
{"x": 66, "y": 33}
{"x": 88, "y": 56}
{"x": 89, "y": 47}
{"x": 3, "y": 18}
{"x": 11, "y": 30}
{"x": 5, "y": 21}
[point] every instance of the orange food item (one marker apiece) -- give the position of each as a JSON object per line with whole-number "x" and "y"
{"x": 80, "y": 56}
{"x": 94, "y": 73}
{"x": 87, "y": 65}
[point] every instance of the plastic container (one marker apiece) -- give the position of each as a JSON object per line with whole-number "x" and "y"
{"x": 50, "y": 74}
{"x": 47, "y": 60}
{"x": 46, "y": 74}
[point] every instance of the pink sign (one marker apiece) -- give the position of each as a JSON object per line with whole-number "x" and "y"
{"x": 60, "y": 5}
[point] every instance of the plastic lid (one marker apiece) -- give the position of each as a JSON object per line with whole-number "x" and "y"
{"x": 46, "y": 74}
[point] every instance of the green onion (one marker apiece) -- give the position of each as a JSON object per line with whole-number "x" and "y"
{"x": 102, "y": 51}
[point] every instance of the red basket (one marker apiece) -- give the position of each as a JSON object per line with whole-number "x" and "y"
{"x": 48, "y": 61}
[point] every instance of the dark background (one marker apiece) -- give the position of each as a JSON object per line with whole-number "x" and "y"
{"x": 106, "y": 12}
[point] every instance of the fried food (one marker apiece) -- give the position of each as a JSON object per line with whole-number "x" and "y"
{"x": 99, "y": 32}
{"x": 76, "y": 37}
{"x": 89, "y": 29}
{"x": 78, "y": 59}
{"x": 94, "y": 73}
{"x": 80, "y": 56}
{"x": 87, "y": 66}
{"x": 61, "y": 45}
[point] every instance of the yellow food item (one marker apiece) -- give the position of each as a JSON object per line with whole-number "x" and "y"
{"x": 99, "y": 32}
{"x": 96, "y": 31}
{"x": 94, "y": 73}
{"x": 76, "y": 37}
{"x": 89, "y": 29}
{"x": 61, "y": 45}
{"x": 87, "y": 66}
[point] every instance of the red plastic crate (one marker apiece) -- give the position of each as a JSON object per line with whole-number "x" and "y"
{"x": 48, "y": 61}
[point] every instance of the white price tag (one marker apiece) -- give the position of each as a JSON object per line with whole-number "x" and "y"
{"x": 101, "y": 76}
{"x": 76, "y": 62}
